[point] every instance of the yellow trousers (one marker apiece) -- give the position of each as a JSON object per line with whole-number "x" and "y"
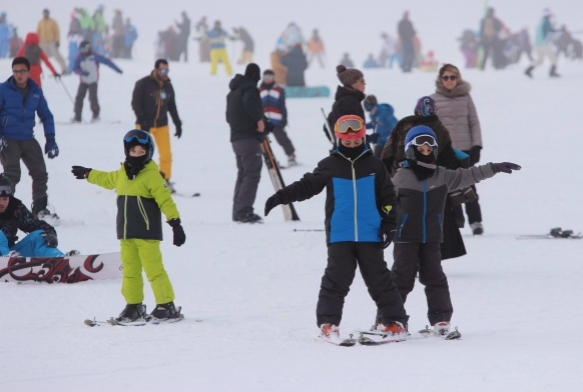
{"x": 139, "y": 254}
{"x": 161, "y": 137}
{"x": 220, "y": 55}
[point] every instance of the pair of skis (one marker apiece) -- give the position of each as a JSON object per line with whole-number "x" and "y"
{"x": 289, "y": 212}
{"x": 381, "y": 338}
{"x": 137, "y": 323}
{"x": 555, "y": 233}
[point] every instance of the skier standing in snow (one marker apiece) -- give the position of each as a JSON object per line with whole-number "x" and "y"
{"x": 296, "y": 64}
{"x": 353, "y": 177}
{"x": 50, "y": 39}
{"x": 457, "y": 112}
{"x": 20, "y": 100}
{"x": 316, "y": 48}
{"x": 273, "y": 100}
{"x": 118, "y": 44}
{"x": 152, "y": 99}
{"x": 5, "y": 35}
{"x": 142, "y": 196}
{"x": 544, "y": 46}
{"x": 184, "y": 33}
{"x": 216, "y": 38}
{"x": 34, "y": 54}
{"x": 248, "y": 45}
{"x": 87, "y": 66}
{"x": 348, "y": 97}
{"x": 490, "y": 28}
{"x": 394, "y": 155}
{"x": 407, "y": 35}
{"x": 383, "y": 121}
{"x": 245, "y": 118}
{"x": 41, "y": 239}
{"x": 422, "y": 189}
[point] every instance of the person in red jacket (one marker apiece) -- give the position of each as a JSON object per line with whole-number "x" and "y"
{"x": 34, "y": 54}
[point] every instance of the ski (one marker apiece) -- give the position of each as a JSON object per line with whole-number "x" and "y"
{"x": 139, "y": 323}
{"x": 423, "y": 334}
{"x": 289, "y": 212}
{"x": 350, "y": 342}
{"x": 555, "y": 233}
{"x": 366, "y": 341}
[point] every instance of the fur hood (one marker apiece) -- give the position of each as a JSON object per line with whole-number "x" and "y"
{"x": 462, "y": 88}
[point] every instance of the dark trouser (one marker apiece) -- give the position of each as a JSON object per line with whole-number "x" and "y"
{"x": 342, "y": 260}
{"x": 428, "y": 257}
{"x": 248, "y": 155}
{"x": 183, "y": 48}
{"x": 81, "y": 92}
{"x": 473, "y": 210}
{"x": 283, "y": 140}
{"x": 408, "y": 55}
{"x": 118, "y": 46}
{"x": 32, "y": 155}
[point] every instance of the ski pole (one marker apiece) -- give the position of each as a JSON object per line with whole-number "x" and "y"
{"x": 329, "y": 133}
{"x": 67, "y": 91}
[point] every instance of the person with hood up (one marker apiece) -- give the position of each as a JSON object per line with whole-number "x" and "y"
{"x": 383, "y": 121}
{"x": 34, "y": 54}
{"x": 422, "y": 189}
{"x": 348, "y": 97}
{"x": 87, "y": 67}
{"x": 245, "y": 118}
{"x": 296, "y": 64}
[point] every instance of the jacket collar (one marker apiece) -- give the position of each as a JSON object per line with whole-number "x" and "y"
{"x": 12, "y": 83}
{"x": 462, "y": 88}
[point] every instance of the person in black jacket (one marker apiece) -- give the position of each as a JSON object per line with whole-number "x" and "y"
{"x": 407, "y": 34}
{"x": 422, "y": 189}
{"x": 360, "y": 222}
{"x": 348, "y": 96}
{"x": 184, "y": 33}
{"x": 296, "y": 64}
{"x": 152, "y": 99}
{"x": 245, "y": 118}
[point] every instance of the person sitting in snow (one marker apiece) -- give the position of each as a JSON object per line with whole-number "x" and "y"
{"x": 353, "y": 176}
{"x": 41, "y": 240}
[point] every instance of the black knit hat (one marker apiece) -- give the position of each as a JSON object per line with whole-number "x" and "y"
{"x": 253, "y": 72}
{"x": 268, "y": 72}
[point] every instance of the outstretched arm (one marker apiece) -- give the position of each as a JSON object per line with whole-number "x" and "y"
{"x": 107, "y": 180}
{"x": 104, "y": 60}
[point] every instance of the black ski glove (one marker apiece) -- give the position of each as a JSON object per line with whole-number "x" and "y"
{"x": 178, "y": 231}
{"x": 178, "y": 131}
{"x": 475, "y": 155}
{"x": 387, "y": 234}
{"x": 505, "y": 167}
{"x": 272, "y": 202}
{"x": 80, "y": 172}
{"x": 50, "y": 239}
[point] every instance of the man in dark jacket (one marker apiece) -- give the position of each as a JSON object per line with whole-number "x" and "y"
{"x": 20, "y": 100}
{"x": 152, "y": 99}
{"x": 245, "y": 117}
{"x": 41, "y": 240}
{"x": 490, "y": 28}
{"x": 183, "y": 35}
{"x": 407, "y": 33}
{"x": 296, "y": 64}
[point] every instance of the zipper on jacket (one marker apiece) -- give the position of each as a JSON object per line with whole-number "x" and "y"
{"x": 355, "y": 192}
{"x": 125, "y": 212}
{"x": 424, "y": 185}
{"x": 143, "y": 212}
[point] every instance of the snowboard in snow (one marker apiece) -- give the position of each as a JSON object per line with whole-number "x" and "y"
{"x": 289, "y": 212}
{"x": 307, "y": 92}
{"x": 65, "y": 269}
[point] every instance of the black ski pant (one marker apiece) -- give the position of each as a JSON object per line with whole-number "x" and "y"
{"x": 283, "y": 140}
{"x": 248, "y": 156}
{"x": 343, "y": 257}
{"x": 32, "y": 155}
{"x": 408, "y": 53}
{"x": 81, "y": 92}
{"x": 426, "y": 257}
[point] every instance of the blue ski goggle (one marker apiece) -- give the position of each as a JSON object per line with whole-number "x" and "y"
{"x": 142, "y": 140}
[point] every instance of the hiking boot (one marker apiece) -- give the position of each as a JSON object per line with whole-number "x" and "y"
{"x": 131, "y": 312}
{"x": 249, "y": 217}
{"x": 165, "y": 311}
{"x": 477, "y": 228}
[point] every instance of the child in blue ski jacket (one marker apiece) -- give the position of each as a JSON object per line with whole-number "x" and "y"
{"x": 383, "y": 120}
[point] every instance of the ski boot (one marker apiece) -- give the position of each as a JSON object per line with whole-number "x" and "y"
{"x": 250, "y": 217}
{"x": 73, "y": 253}
{"x": 442, "y": 329}
{"x": 42, "y": 211}
{"x": 394, "y": 329}
{"x": 528, "y": 71}
{"x": 553, "y": 72}
{"x": 165, "y": 312}
{"x": 291, "y": 161}
{"x": 477, "y": 228}
{"x": 95, "y": 119}
{"x": 131, "y": 313}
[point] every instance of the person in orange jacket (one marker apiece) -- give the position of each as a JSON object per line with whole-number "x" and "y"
{"x": 34, "y": 54}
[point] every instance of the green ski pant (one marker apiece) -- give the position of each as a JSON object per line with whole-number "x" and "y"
{"x": 135, "y": 255}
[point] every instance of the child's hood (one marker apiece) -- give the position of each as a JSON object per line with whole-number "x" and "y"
{"x": 32, "y": 39}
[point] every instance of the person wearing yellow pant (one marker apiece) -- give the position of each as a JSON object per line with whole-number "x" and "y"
{"x": 152, "y": 99}
{"x": 216, "y": 38}
{"x": 142, "y": 197}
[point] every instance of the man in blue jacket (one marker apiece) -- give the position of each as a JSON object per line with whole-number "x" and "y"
{"x": 20, "y": 99}
{"x": 383, "y": 121}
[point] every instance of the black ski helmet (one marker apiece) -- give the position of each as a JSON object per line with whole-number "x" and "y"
{"x": 370, "y": 102}
{"x": 85, "y": 47}
{"x": 137, "y": 137}
{"x": 5, "y": 186}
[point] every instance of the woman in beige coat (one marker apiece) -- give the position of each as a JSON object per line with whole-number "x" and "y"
{"x": 456, "y": 110}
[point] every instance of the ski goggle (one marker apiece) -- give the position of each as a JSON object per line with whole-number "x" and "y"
{"x": 352, "y": 125}
{"x": 5, "y": 190}
{"x": 424, "y": 139}
{"x": 142, "y": 138}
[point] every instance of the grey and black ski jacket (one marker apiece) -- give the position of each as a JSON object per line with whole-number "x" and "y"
{"x": 421, "y": 202}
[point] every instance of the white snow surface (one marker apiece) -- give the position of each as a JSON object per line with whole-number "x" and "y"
{"x": 517, "y": 302}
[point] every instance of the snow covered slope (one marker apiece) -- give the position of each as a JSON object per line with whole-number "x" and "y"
{"x": 517, "y": 302}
